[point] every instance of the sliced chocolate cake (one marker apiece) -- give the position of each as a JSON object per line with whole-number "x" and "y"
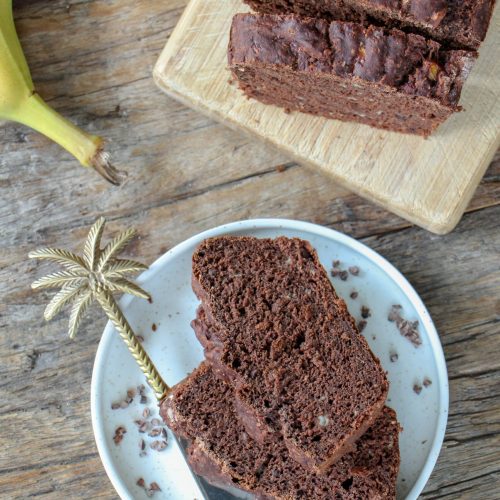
{"x": 201, "y": 409}
{"x": 454, "y": 23}
{"x": 377, "y": 76}
{"x": 273, "y": 328}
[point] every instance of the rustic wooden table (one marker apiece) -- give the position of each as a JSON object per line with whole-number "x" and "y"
{"x": 92, "y": 60}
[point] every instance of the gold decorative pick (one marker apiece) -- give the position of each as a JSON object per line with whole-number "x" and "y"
{"x": 95, "y": 276}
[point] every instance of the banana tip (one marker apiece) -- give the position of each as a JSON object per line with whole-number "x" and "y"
{"x": 101, "y": 163}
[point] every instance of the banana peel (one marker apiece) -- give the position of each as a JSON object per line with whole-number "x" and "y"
{"x": 20, "y": 102}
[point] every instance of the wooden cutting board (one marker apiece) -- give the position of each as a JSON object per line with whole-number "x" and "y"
{"x": 427, "y": 181}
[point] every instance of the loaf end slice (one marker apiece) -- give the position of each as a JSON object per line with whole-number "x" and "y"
{"x": 342, "y": 70}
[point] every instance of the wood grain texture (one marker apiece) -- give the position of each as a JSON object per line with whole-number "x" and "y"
{"x": 93, "y": 60}
{"x": 427, "y": 181}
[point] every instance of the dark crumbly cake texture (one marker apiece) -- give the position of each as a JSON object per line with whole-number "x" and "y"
{"x": 377, "y": 76}
{"x": 273, "y": 328}
{"x": 201, "y": 409}
{"x": 455, "y": 23}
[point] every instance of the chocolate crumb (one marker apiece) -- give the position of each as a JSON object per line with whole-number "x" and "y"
{"x": 424, "y": 441}
{"x": 142, "y": 444}
{"x": 334, "y": 273}
{"x": 155, "y": 432}
{"x": 365, "y": 312}
{"x": 150, "y": 300}
{"x": 153, "y": 327}
{"x": 336, "y": 263}
{"x": 280, "y": 168}
{"x": 153, "y": 487}
{"x": 158, "y": 445}
{"x": 146, "y": 412}
{"x": 155, "y": 422}
{"x": 361, "y": 325}
{"x": 394, "y": 312}
{"x": 393, "y": 356}
{"x": 344, "y": 275}
{"x": 119, "y": 433}
{"x": 144, "y": 399}
{"x": 417, "y": 388}
{"x": 164, "y": 433}
{"x": 374, "y": 337}
{"x": 354, "y": 270}
{"x": 354, "y": 294}
{"x": 143, "y": 426}
{"x": 427, "y": 382}
{"x": 408, "y": 329}
{"x": 125, "y": 402}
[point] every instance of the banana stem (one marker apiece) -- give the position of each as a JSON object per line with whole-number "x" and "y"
{"x": 87, "y": 149}
{"x": 38, "y": 115}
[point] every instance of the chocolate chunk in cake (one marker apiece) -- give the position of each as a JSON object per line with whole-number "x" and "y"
{"x": 201, "y": 409}
{"x": 273, "y": 327}
{"x": 376, "y": 76}
{"x": 454, "y": 23}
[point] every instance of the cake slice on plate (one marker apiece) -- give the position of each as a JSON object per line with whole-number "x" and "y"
{"x": 274, "y": 329}
{"x": 201, "y": 409}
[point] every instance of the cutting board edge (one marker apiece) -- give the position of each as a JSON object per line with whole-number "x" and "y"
{"x": 438, "y": 222}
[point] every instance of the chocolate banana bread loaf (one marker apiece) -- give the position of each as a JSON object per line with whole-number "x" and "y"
{"x": 454, "y": 23}
{"x": 201, "y": 409}
{"x": 274, "y": 328}
{"x": 342, "y": 70}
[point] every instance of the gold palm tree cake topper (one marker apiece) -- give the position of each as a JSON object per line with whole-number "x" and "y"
{"x": 96, "y": 276}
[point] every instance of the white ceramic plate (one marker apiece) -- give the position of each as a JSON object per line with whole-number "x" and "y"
{"x": 175, "y": 351}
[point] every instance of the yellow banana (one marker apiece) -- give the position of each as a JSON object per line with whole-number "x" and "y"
{"x": 20, "y": 102}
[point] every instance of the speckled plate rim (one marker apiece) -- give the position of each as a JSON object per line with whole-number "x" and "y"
{"x": 294, "y": 225}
